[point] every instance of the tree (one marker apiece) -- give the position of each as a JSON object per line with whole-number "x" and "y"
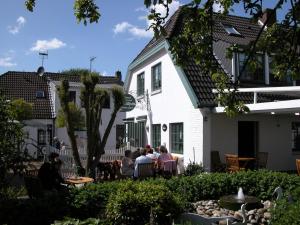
{"x": 64, "y": 96}
{"x": 93, "y": 99}
{"x": 11, "y": 136}
{"x": 198, "y": 32}
{"x": 21, "y": 109}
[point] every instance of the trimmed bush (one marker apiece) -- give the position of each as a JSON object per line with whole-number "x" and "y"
{"x": 143, "y": 202}
{"x": 91, "y": 200}
{"x": 193, "y": 169}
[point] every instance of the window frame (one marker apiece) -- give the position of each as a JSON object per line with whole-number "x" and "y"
{"x": 253, "y": 75}
{"x": 173, "y": 134}
{"x": 41, "y": 136}
{"x": 156, "y": 135}
{"x": 295, "y": 136}
{"x": 159, "y": 87}
{"x": 140, "y": 89}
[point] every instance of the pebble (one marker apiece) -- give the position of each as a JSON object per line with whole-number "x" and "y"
{"x": 211, "y": 208}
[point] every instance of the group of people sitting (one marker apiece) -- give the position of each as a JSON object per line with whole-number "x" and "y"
{"x": 129, "y": 164}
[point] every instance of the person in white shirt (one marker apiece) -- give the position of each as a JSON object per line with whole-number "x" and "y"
{"x": 140, "y": 160}
{"x": 150, "y": 154}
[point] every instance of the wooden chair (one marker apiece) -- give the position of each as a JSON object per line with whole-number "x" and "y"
{"x": 298, "y": 166}
{"x": 170, "y": 167}
{"x": 262, "y": 159}
{"x": 145, "y": 170}
{"x": 232, "y": 163}
{"x": 216, "y": 164}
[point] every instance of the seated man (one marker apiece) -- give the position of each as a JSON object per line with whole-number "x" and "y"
{"x": 150, "y": 154}
{"x": 140, "y": 160}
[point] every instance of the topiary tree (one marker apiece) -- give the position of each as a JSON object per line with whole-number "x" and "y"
{"x": 93, "y": 99}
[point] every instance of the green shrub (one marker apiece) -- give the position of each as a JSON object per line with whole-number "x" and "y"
{"x": 214, "y": 185}
{"x": 89, "y": 221}
{"x": 33, "y": 211}
{"x": 286, "y": 211}
{"x": 91, "y": 200}
{"x": 142, "y": 202}
{"x": 193, "y": 169}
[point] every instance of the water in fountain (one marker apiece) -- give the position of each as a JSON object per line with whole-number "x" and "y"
{"x": 240, "y": 196}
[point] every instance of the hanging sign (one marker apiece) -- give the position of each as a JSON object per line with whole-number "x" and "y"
{"x": 129, "y": 103}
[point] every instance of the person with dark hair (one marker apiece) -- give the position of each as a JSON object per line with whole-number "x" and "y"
{"x": 140, "y": 160}
{"x": 150, "y": 154}
{"x": 135, "y": 154}
{"x": 49, "y": 173}
{"x": 127, "y": 165}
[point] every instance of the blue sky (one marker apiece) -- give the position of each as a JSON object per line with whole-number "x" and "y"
{"x": 115, "y": 40}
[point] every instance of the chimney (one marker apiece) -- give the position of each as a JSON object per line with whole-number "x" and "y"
{"x": 270, "y": 15}
{"x": 118, "y": 74}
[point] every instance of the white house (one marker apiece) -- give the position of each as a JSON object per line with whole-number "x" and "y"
{"x": 42, "y": 92}
{"x": 176, "y": 106}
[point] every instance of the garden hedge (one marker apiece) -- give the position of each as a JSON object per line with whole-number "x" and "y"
{"x": 100, "y": 200}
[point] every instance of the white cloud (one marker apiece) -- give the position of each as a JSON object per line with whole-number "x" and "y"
{"x": 19, "y": 24}
{"x": 7, "y": 62}
{"x": 133, "y": 30}
{"x": 138, "y": 32}
{"x": 44, "y": 45}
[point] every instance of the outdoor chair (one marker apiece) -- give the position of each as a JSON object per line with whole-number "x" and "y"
{"x": 262, "y": 159}
{"x": 232, "y": 163}
{"x": 298, "y": 166}
{"x": 216, "y": 164}
{"x": 169, "y": 168}
{"x": 145, "y": 170}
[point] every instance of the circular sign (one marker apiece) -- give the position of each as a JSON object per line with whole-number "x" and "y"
{"x": 164, "y": 127}
{"x": 129, "y": 103}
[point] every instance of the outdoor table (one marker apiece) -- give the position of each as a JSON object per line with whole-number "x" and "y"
{"x": 78, "y": 180}
{"x": 243, "y": 161}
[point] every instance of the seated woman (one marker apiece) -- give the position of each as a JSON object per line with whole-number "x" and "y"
{"x": 164, "y": 156}
{"x": 127, "y": 165}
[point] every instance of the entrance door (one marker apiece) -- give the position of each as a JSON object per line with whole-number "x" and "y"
{"x": 247, "y": 138}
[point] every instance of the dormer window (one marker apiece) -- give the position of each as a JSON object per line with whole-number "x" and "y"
{"x": 231, "y": 30}
{"x": 40, "y": 94}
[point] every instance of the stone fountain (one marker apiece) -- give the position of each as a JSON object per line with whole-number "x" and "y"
{"x": 234, "y": 202}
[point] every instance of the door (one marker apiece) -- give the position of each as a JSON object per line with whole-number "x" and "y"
{"x": 247, "y": 138}
{"x": 120, "y": 134}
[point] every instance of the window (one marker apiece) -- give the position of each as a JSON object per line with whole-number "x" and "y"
{"x": 72, "y": 96}
{"x": 40, "y": 94}
{"x": 176, "y": 130}
{"x": 156, "y": 141}
{"x": 296, "y": 136}
{"x": 106, "y": 104}
{"x": 254, "y": 73}
{"x": 231, "y": 30}
{"x": 41, "y": 136}
{"x": 140, "y": 84}
{"x": 156, "y": 77}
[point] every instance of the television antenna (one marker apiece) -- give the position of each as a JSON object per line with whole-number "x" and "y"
{"x": 43, "y": 55}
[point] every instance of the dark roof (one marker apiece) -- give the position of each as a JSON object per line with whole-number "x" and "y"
{"x": 76, "y": 78}
{"x": 24, "y": 85}
{"x": 201, "y": 83}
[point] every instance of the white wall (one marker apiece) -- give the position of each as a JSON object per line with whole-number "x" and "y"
{"x": 171, "y": 105}
{"x": 274, "y": 137}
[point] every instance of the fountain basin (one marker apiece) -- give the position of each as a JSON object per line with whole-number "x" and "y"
{"x": 231, "y": 202}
